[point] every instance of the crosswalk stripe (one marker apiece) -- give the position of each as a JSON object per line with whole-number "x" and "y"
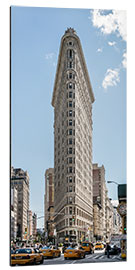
{"x": 101, "y": 257}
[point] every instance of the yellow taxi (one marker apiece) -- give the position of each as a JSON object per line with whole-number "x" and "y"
{"x": 50, "y": 252}
{"x": 74, "y": 252}
{"x": 88, "y": 247}
{"x": 99, "y": 246}
{"x": 26, "y": 256}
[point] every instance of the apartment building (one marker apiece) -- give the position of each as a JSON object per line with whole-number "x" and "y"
{"x": 49, "y": 203}
{"x": 13, "y": 207}
{"x": 99, "y": 201}
{"x": 20, "y": 181}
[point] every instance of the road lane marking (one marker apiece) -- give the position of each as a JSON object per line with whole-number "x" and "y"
{"x": 96, "y": 257}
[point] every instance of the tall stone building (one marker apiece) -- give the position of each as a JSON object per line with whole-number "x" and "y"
{"x": 34, "y": 226}
{"x": 13, "y": 232}
{"x": 117, "y": 220}
{"x": 99, "y": 201}
{"x": 49, "y": 203}
{"x": 20, "y": 180}
{"x": 30, "y": 224}
{"x": 72, "y": 101}
{"x": 109, "y": 218}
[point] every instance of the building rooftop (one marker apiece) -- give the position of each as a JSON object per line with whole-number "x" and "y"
{"x": 70, "y": 30}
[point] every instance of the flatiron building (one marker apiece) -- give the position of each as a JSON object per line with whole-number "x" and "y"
{"x": 73, "y": 182}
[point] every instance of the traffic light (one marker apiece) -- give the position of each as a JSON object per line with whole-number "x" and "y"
{"x": 25, "y": 230}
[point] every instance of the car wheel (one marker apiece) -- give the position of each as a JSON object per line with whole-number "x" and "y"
{"x": 41, "y": 262}
{"x": 34, "y": 262}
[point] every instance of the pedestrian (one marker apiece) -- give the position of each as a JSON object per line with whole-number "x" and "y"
{"x": 108, "y": 250}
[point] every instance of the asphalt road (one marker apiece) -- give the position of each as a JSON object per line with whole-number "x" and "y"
{"x": 98, "y": 256}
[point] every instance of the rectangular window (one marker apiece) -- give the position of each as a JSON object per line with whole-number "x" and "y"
{"x": 70, "y": 179}
{"x": 70, "y": 85}
{"x": 70, "y": 160}
{"x": 70, "y": 222}
{"x": 70, "y": 189}
{"x": 70, "y": 210}
{"x": 70, "y": 131}
{"x": 70, "y": 53}
{"x": 70, "y": 141}
{"x": 70, "y": 103}
{"x": 70, "y": 150}
{"x": 70, "y": 64}
{"x": 70, "y": 113}
{"x": 70, "y": 94}
{"x": 70, "y": 199}
{"x": 70, "y": 122}
{"x": 70, "y": 75}
{"x": 70, "y": 169}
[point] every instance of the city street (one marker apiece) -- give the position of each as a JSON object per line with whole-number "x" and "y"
{"x": 98, "y": 256}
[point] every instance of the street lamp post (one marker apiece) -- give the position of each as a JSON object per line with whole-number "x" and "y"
{"x": 109, "y": 182}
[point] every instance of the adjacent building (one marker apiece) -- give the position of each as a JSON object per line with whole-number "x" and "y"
{"x": 72, "y": 101}
{"x": 20, "y": 182}
{"x": 109, "y": 217}
{"x": 30, "y": 225}
{"x": 49, "y": 203}
{"x": 34, "y": 226}
{"x": 99, "y": 201}
{"x": 13, "y": 231}
{"x": 117, "y": 220}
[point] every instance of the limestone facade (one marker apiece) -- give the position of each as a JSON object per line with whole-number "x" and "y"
{"x": 20, "y": 180}
{"x": 72, "y": 101}
{"x": 99, "y": 198}
{"x": 49, "y": 202}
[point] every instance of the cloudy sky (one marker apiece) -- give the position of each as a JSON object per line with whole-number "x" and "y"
{"x": 35, "y": 42}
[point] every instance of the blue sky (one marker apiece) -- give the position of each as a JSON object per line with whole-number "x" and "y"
{"x": 35, "y": 42}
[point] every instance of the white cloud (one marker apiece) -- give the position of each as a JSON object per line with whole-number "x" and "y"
{"x": 112, "y": 22}
{"x": 124, "y": 61}
{"x": 99, "y": 50}
{"x": 49, "y": 56}
{"x": 111, "y": 78}
{"x": 111, "y": 43}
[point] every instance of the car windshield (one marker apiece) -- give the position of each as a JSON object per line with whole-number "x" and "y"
{"x": 98, "y": 244}
{"x": 72, "y": 247}
{"x": 46, "y": 247}
{"x": 85, "y": 244}
{"x": 24, "y": 250}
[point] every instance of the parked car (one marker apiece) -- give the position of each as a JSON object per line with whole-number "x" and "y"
{"x": 26, "y": 256}
{"x": 50, "y": 252}
{"x": 88, "y": 247}
{"x": 74, "y": 252}
{"x": 99, "y": 246}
